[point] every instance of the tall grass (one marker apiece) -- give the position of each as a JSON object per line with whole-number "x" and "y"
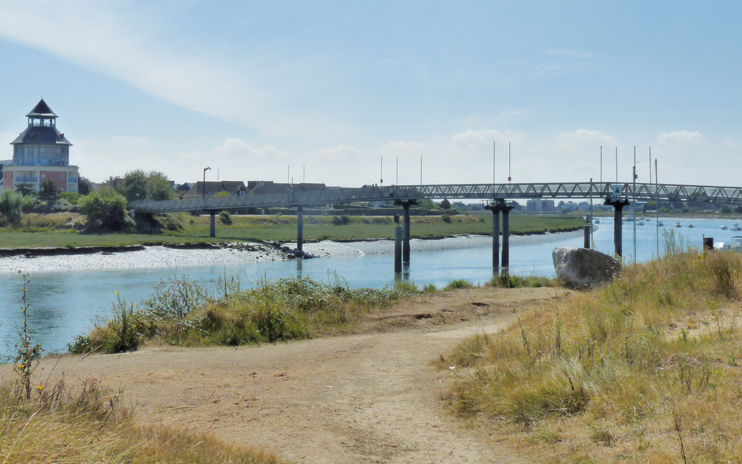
{"x": 620, "y": 363}
{"x": 90, "y": 423}
{"x": 183, "y": 312}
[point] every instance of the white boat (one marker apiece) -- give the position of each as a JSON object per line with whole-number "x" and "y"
{"x": 661, "y": 224}
{"x": 630, "y": 218}
{"x": 735, "y": 227}
{"x": 690, "y": 226}
{"x": 677, "y": 224}
{"x": 640, "y": 222}
{"x": 735, "y": 243}
{"x": 723, "y": 227}
{"x": 596, "y": 221}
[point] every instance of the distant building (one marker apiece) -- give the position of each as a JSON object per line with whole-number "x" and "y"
{"x": 268, "y": 186}
{"x": 40, "y": 153}
{"x": 540, "y": 205}
{"x": 212, "y": 189}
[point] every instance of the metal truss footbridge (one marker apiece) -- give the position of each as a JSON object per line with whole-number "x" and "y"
{"x": 484, "y": 192}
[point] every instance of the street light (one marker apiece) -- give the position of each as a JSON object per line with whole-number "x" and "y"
{"x": 203, "y": 187}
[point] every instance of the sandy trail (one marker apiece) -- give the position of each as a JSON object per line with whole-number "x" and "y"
{"x": 351, "y": 399}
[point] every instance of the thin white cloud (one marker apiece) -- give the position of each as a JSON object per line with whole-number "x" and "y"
{"x": 681, "y": 137}
{"x": 130, "y": 43}
{"x": 583, "y": 139}
{"x": 237, "y": 148}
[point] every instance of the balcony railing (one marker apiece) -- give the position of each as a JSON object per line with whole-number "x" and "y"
{"x": 26, "y": 179}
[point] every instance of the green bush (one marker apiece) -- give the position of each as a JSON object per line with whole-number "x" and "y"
{"x": 458, "y": 284}
{"x": 71, "y": 197}
{"x": 225, "y": 217}
{"x": 106, "y": 211}
{"x": 48, "y": 190}
{"x": 341, "y": 220}
{"x": 11, "y": 207}
{"x": 175, "y": 298}
{"x": 446, "y": 218}
{"x": 172, "y": 221}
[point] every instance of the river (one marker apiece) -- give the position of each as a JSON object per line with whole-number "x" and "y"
{"x": 66, "y": 301}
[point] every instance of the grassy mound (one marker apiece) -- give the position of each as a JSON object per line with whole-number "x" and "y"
{"x": 182, "y": 312}
{"x": 642, "y": 370}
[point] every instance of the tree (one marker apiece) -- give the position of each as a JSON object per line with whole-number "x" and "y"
{"x": 158, "y": 187}
{"x": 649, "y": 206}
{"x": 106, "y": 210}
{"x": 445, "y": 204}
{"x": 133, "y": 186}
{"x": 25, "y": 189}
{"x": 48, "y": 191}
{"x": 138, "y": 185}
{"x": 83, "y": 185}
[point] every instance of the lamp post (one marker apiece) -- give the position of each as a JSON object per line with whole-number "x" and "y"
{"x": 203, "y": 187}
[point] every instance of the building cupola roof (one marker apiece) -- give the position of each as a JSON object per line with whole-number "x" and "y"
{"x": 41, "y": 110}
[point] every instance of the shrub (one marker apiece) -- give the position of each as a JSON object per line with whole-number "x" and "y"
{"x": 11, "y": 206}
{"x": 106, "y": 210}
{"x": 175, "y": 298}
{"x": 48, "y": 191}
{"x": 71, "y": 197}
{"x": 225, "y": 217}
{"x": 458, "y": 284}
{"x": 446, "y": 218}
{"x": 341, "y": 220}
{"x": 62, "y": 205}
{"x": 172, "y": 221}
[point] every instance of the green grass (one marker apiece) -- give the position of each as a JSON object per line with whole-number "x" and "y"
{"x": 183, "y": 312}
{"x": 282, "y": 228}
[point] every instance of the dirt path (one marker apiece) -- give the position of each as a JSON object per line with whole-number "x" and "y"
{"x": 352, "y": 399}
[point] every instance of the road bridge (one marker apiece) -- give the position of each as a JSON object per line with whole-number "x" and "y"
{"x": 496, "y": 196}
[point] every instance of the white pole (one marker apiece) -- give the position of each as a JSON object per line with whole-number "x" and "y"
{"x": 633, "y": 206}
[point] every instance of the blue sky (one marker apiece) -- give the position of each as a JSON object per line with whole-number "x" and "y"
{"x": 252, "y": 88}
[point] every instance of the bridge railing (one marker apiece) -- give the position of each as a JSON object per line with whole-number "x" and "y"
{"x": 488, "y": 192}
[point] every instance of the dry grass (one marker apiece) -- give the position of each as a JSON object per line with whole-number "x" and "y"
{"x": 89, "y": 423}
{"x": 621, "y": 373}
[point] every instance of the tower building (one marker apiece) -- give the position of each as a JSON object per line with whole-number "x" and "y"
{"x": 40, "y": 153}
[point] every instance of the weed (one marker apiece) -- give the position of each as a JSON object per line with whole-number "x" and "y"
{"x": 458, "y": 284}
{"x": 27, "y": 356}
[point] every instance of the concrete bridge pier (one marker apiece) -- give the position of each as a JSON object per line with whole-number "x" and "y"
{"x": 618, "y": 206}
{"x": 495, "y": 208}
{"x": 299, "y": 228}
{"x": 506, "y": 236}
{"x": 212, "y": 224}
{"x": 406, "y": 229}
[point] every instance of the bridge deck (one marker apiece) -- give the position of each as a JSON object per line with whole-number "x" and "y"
{"x": 577, "y": 190}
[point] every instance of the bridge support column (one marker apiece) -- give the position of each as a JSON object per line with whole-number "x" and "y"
{"x": 406, "y": 231}
{"x": 618, "y": 206}
{"x": 586, "y": 243}
{"x": 495, "y": 208}
{"x": 299, "y": 228}
{"x": 212, "y": 224}
{"x": 398, "y": 250}
{"x": 506, "y": 236}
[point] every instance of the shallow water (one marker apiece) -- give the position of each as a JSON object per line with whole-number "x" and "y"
{"x": 67, "y": 294}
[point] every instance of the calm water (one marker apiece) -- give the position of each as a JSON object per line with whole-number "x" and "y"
{"x": 65, "y": 304}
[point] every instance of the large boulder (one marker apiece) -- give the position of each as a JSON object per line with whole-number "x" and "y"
{"x": 584, "y": 268}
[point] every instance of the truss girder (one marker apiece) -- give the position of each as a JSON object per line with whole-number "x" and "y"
{"x": 487, "y": 192}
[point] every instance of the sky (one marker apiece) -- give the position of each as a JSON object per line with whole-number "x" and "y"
{"x": 342, "y": 92}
